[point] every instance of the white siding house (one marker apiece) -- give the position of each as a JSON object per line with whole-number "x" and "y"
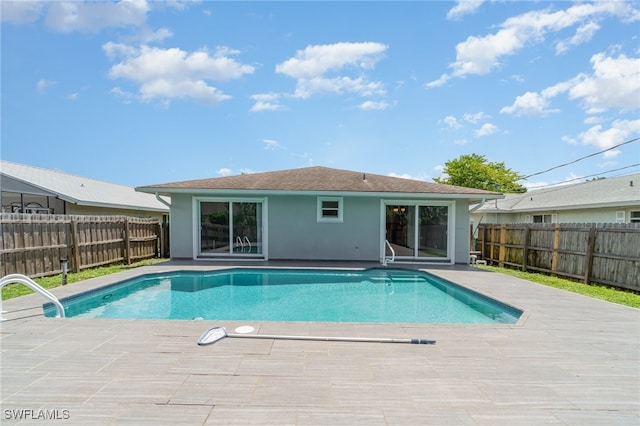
{"x": 28, "y": 189}
{"x": 608, "y": 200}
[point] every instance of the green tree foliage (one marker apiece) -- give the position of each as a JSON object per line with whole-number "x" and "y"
{"x": 474, "y": 171}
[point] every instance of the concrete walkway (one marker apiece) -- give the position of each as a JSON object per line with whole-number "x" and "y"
{"x": 571, "y": 360}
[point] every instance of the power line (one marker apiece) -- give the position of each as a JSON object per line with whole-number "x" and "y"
{"x": 580, "y": 159}
{"x": 583, "y": 177}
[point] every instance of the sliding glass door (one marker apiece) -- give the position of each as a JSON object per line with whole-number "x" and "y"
{"x": 418, "y": 230}
{"x": 231, "y": 228}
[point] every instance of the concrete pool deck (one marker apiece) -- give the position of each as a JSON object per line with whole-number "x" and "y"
{"x": 570, "y": 360}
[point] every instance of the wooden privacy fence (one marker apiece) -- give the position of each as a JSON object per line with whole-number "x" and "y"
{"x": 35, "y": 245}
{"x": 592, "y": 253}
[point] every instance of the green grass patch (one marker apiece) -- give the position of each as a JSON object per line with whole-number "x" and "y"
{"x": 609, "y": 294}
{"x": 16, "y": 290}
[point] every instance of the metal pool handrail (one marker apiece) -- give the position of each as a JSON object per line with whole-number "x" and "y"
{"x": 386, "y": 259}
{"x": 23, "y": 279}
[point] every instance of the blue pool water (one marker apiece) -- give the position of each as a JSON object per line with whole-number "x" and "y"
{"x": 373, "y": 295}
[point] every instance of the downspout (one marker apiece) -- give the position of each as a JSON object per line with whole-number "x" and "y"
{"x": 480, "y": 204}
{"x": 166, "y": 203}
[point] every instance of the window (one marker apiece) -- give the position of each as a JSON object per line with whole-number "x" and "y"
{"x": 329, "y": 209}
{"x": 542, "y": 218}
{"x": 635, "y": 217}
{"x": 620, "y": 216}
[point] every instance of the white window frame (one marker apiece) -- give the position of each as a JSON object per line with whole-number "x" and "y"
{"x": 620, "y": 216}
{"x": 321, "y": 209}
{"x": 195, "y": 203}
{"x": 632, "y": 218}
{"x": 552, "y": 217}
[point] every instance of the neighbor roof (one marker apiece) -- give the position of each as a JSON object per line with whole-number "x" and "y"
{"x": 74, "y": 189}
{"x": 609, "y": 192}
{"x": 317, "y": 179}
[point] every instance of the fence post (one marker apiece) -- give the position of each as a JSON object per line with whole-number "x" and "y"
{"x": 591, "y": 245}
{"x": 525, "y": 248}
{"x": 502, "y": 250}
{"x": 556, "y": 245}
{"x": 127, "y": 242}
{"x": 75, "y": 245}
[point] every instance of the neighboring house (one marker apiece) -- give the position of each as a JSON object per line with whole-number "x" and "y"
{"x": 28, "y": 189}
{"x": 609, "y": 200}
{"x": 319, "y": 213}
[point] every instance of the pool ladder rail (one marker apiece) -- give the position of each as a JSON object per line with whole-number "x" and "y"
{"x": 242, "y": 241}
{"x": 23, "y": 279}
{"x": 386, "y": 259}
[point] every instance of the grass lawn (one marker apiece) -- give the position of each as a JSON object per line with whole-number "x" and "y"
{"x": 597, "y": 291}
{"x": 15, "y": 290}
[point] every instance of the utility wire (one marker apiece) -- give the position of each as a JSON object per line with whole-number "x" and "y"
{"x": 582, "y": 177}
{"x": 580, "y": 159}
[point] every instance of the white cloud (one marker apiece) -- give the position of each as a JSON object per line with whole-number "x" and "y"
{"x": 305, "y": 88}
{"x": 166, "y": 74}
{"x": 619, "y": 132}
{"x": 485, "y": 130}
{"x": 451, "y": 122}
{"x": 583, "y": 34}
{"x": 21, "y": 12}
{"x": 475, "y": 117}
{"x": 407, "y": 176}
{"x": 270, "y": 144}
{"x": 68, "y": 16}
{"x": 72, "y": 97}
{"x": 371, "y": 105}
{"x": 310, "y": 68}
{"x": 481, "y": 55}
{"x": 42, "y": 85}
{"x": 528, "y": 104}
{"x": 266, "y": 102}
{"x": 224, "y": 171}
{"x": 464, "y": 7}
{"x": 614, "y": 84}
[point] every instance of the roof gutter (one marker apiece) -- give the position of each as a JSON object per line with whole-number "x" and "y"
{"x": 162, "y": 200}
{"x": 480, "y": 204}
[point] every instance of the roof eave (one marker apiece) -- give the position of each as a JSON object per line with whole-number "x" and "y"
{"x": 262, "y": 192}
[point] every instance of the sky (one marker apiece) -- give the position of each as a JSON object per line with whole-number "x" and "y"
{"x": 141, "y": 93}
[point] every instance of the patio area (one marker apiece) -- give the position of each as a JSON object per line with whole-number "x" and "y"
{"x": 570, "y": 360}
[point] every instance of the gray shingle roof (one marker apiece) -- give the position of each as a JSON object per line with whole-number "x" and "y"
{"x": 318, "y": 179}
{"x": 81, "y": 190}
{"x": 609, "y": 192}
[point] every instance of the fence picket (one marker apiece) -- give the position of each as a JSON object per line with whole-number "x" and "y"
{"x": 592, "y": 253}
{"x": 34, "y": 245}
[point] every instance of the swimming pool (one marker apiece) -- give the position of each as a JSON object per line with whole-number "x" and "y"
{"x": 372, "y": 295}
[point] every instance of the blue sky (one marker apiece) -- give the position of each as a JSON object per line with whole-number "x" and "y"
{"x": 139, "y": 93}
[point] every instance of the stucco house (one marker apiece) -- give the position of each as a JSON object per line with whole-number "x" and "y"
{"x": 319, "y": 213}
{"x": 29, "y": 189}
{"x": 609, "y": 200}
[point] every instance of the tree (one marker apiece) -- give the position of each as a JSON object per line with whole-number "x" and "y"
{"x": 474, "y": 171}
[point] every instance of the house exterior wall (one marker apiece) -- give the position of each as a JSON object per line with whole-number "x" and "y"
{"x": 462, "y": 233}
{"x": 181, "y": 227}
{"x": 293, "y": 231}
{"x": 587, "y": 215}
